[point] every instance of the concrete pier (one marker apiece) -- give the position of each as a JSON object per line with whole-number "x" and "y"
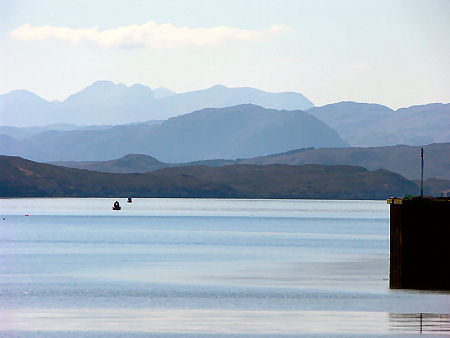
{"x": 419, "y": 243}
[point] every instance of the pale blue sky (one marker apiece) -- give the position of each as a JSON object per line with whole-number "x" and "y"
{"x": 395, "y": 53}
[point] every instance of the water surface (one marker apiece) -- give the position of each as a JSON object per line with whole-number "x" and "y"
{"x": 180, "y": 267}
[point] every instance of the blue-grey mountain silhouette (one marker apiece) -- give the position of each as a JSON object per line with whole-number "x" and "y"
{"x": 232, "y": 132}
{"x": 363, "y": 124}
{"x": 105, "y": 102}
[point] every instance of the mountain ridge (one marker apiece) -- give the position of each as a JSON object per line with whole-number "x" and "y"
{"x": 231, "y": 132}
{"x": 115, "y": 103}
{"x": 401, "y": 159}
{"x": 366, "y": 125}
{"x": 24, "y": 178}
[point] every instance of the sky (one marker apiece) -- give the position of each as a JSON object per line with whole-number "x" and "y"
{"x": 395, "y": 53}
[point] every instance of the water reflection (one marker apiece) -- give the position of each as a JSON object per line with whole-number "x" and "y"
{"x": 419, "y": 322}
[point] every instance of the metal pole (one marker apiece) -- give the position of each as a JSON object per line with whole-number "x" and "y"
{"x": 421, "y": 174}
{"x": 421, "y": 323}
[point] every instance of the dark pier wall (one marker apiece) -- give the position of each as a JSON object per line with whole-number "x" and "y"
{"x": 419, "y": 243}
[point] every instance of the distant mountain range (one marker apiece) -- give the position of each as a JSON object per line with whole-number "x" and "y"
{"x": 107, "y": 121}
{"x": 22, "y": 133}
{"x": 23, "y": 178}
{"x": 105, "y": 102}
{"x": 365, "y": 125}
{"x": 233, "y": 132}
{"x": 402, "y": 159}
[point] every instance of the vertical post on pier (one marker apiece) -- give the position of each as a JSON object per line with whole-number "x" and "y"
{"x": 421, "y": 314}
{"x": 421, "y": 173}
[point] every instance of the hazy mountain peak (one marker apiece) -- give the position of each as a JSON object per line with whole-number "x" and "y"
{"x": 22, "y": 94}
{"x": 140, "y": 89}
{"x": 96, "y": 89}
{"x": 115, "y": 103}
{"x": 103, "y": 86}
{"x": 101, "y": 83}
{"x": 218, "y": 86}
{"x": 161, "y": 92}
{"x": 425, "y": 107}
{"x": 231, "y": 110}
{"x": 351, "y": 105}
{"x": 137, "y": 156}
{"x": 366, "y": 124}
{"x": 107, "y": 92}
{"x": 23, "y": 108}
{"x": 138, "y": 85}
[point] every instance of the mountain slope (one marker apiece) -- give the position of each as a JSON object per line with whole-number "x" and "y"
{"x": 19, "y": 107}
{"x": 20, "y": 178}
{"x": 363, "y": 124}
{"x": 105, "y": 102}
{"x": 137, "y": 163}
{"x": 220, "y": 96}
{"x": 435, "y": 187}
{"x": 402, "y": 159}
{"x": 239, "y": 131}
{"x": 133, "y": 163}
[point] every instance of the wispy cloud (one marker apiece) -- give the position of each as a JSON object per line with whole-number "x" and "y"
{"x": 149, "y": 34}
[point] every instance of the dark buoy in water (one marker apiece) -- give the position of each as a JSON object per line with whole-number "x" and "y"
{"x": 116, "y": 206}
{"x": 129, "y": 200}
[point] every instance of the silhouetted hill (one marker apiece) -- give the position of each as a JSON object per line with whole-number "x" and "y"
{"x": 238, "y": 132}
{"x": 363, "y": 124}
{"x": 220, "y": 96}
{"x": 402, "y": 159}
{"x": 23, "y": 178}
{"x": 233, "y": 132}
{"x": 435, "y": 187}
{"x": 21, "y": 108}
{"x": 105, "y": 102}
{"x": 133, "y": 163}
{"x": 307, "y": 181}
{"x": 27, "y": 132}
{"x": 137, "y": 163}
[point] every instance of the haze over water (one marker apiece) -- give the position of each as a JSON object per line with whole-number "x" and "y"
{"x": 181, "y": 267}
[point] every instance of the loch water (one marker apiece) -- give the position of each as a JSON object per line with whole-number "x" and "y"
{"x": 73, "y": 267}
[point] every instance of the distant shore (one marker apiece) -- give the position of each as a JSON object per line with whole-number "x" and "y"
{"x": 24, "y": 178}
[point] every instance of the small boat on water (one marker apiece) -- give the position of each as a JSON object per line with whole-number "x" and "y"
{"x": 129, "y": 200}
{"x": 116, "y": 206}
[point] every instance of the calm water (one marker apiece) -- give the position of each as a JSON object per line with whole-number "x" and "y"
{"x": 190, "y": 267}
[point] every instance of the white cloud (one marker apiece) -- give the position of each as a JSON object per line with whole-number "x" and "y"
{"x": 149, "y": 34}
